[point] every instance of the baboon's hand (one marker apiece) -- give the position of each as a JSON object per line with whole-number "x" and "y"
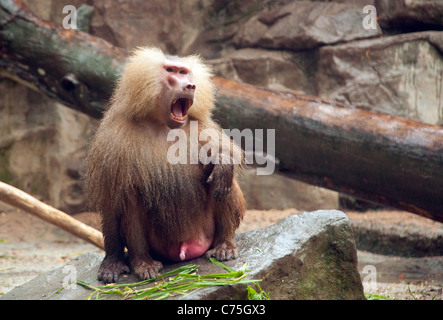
{"x": 221, "y": 176}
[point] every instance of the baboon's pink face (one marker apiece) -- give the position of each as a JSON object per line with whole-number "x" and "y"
{"x": 177, "y": 94}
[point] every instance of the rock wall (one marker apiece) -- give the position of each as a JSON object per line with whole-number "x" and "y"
{"x": 314, "y": 47}
{"x": 42, "y": 146}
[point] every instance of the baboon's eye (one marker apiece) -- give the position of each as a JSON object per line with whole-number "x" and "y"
{"x": 183, "y": 72}
{"x": 169, "y": 69}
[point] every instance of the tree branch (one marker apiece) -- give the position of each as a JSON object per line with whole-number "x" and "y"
{"x": 24, "y": 201}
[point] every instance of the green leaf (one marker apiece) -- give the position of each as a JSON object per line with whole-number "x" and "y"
{"x": 254, "y": 295}
{"x": 179, "y": 281}
{"x": 221, "y": 265}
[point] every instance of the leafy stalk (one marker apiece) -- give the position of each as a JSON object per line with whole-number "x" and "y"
{"x": 179, "y": 281}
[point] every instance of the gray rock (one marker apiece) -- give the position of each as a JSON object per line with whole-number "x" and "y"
{"x": 410, "y": 14}
{"x": 398, "y": 75}
{"x": 411, "y": 240}
{"x": 42, "y": 146}
{"x": 306, "y": 256}
{"x": 303, "y": 25}
{"x": 48, "y": 285}
{"x": 280, "y": 70}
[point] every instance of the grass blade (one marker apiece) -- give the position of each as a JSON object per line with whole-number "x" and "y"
{"x": 221, "y": 265}
{"x": 179, "y": 281}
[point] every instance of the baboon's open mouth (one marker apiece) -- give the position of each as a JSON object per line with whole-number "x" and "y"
{"x": 180, "y": 108}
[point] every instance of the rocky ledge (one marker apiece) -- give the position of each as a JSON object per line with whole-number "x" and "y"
{"x": 306, "y": 256}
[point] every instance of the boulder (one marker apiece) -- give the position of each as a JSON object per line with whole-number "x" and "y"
{"x": 304, "y": 25}
{"x": 399, "y": 75}
{"x": 306, "y": 256}
{"x": 42, "y": 146}
{"x": 125, "y": 24}
{"x": 279, "y": 70}
{"x": 410, "y": 14}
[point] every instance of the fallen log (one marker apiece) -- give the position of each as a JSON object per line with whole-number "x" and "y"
{"x": 389, "y": 160}
{"x": 25, "y": 202}
{"x": 72, "y": 67}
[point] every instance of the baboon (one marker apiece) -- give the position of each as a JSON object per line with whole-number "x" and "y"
{"x": 157, "y": 210}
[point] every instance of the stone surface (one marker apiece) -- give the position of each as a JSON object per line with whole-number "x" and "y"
{"x": 42, "y": 146}
{"x": 306, "y": 256}
{"x": 47, "y": 285}
{"x": 398, "y": 75}
{"x": 280, "y": 70}
{"x": 126, "y": 24}
{"x": 399, "y": 240}
{"x": 304, "y": 25}
{"x": 410, "y": 14}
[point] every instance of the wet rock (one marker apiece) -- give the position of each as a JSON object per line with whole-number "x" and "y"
{"x": 306, "y": 256}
